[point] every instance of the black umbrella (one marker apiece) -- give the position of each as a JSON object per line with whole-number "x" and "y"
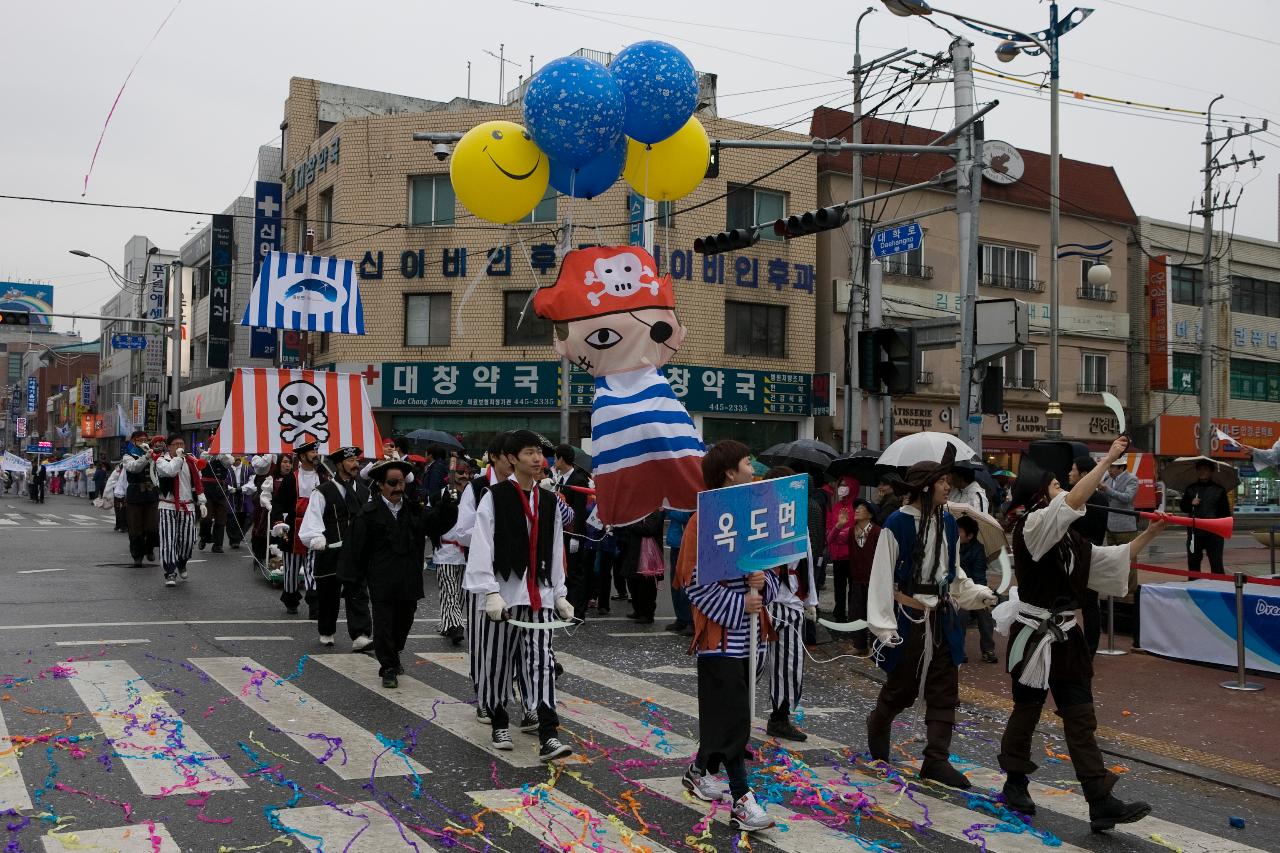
{"x": 435, "y": 436}
{"x": 810, "y": 451}
{"x": 861, "y": 465}
{"x": 982, "y": 474}
{"x": 581, "y": 458}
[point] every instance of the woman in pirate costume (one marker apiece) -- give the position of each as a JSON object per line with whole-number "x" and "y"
{"x": 1055, "y": 565}
{"x": 288, "y": 508}
{"x": 917, "y": 590}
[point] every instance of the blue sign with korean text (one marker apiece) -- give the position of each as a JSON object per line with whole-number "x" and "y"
{"x": 896, "y": 240}
{"x": 752, "y": 527}
{"x": 635, "y": 218}
{"x": 33, "y": 394}
{"x": 267, "y": 217}
{"x": 128, "y": 341}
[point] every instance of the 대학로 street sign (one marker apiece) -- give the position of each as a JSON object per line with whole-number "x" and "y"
{"x": 752, "y": 527}
{"x": 896, "y": 240}
{"x": 128, "y": 341}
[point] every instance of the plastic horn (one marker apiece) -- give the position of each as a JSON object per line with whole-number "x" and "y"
{"x": 582, "y": 489}
{"x": 1217, "y": 526}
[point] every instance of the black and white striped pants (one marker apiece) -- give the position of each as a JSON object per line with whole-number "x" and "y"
{"x": 177, "y": 537}
{"x": 505, "y": 652}
{"x": 452, "y": 606}
{"x": 786, "y": 670}
{"x": 299, "y": 571}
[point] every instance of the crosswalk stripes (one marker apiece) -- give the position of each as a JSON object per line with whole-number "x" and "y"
{"x": 1073, "y": 805}
{"x": 145, "y": 728}
{"x": 351, "y": 828}
{"x": 600, "y": 718}
{"x": 8, "y": 522}
{"x": 341, "y": 745}
{"x": 87, "y": 519}
{"x": 667, "y": 698}
{"x": 141, "y": 837}
{"x": 560, "y": 822}
{"x": 455, "y": 716}
{"x": 13, "y": 791}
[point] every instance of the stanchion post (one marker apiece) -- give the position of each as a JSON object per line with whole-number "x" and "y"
{"x": 1111, "y": 649}
{"x": 1272, "y": 543}
{"x": 1240, "y": 683}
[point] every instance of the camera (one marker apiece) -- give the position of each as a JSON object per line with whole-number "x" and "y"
{"x": 441, "y": 151}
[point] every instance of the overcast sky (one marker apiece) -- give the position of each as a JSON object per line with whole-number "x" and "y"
{"x": 211, "y": 88}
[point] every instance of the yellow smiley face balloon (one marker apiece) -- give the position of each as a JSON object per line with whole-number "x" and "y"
{"x": 497, "y": 171}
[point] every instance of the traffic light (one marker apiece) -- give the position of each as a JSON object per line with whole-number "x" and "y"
{"x": 15, "y": 318}
{"x": 811, "y": 221}
{"x": 889, "y": 358}
{"x": 172, "y": 420}
{"x": 725, "y": 241}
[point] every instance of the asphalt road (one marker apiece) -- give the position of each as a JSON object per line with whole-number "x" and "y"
{"x": 202, "y": 718}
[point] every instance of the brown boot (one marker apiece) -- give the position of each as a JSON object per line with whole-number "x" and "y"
{"x": 879, "y": 731}
{"x": 1080, "y": 726}
{"x": 1015, "y": 743}
{"x": 937, "y": 756}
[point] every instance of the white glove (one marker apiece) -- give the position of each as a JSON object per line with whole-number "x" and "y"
{"x": 249, "y": 489}
{"x": 280, "y": 530}
{"x": 564, "y": 609}
{"x": 494, "y": 607}
{"x": 204, "y": 510}
{"x": 319, "y": 544}
{"x": 573, "y": 545}
{"x": 811, "y": 613}
{"x": 990, "y": 600}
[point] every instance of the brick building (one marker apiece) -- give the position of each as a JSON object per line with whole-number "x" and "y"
{"x": 443, "y": 291}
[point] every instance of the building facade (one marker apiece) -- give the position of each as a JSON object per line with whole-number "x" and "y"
{"x": 1166, "y": 277}
{"x": 449, "y": 344}
{"x": 1014, "y": 263}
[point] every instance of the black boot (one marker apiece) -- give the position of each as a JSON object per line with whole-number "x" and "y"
{"x": 937, "y": 756}
{"x": 879, "y": 731}
{"x": 780, "y": 726}
{"x": 1016, "y": 794}
{"x": 1107, "y": 811}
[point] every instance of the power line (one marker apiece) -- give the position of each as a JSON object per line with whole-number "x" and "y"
{"x": 1202, "y": 24}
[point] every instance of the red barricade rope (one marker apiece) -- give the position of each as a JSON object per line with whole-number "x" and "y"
{"x": 1165, "y": 570}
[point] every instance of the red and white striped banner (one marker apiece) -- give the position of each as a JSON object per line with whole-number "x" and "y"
{"x": 273, "y": 411}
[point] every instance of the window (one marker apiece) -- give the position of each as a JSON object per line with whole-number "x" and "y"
{"x": 1093, "y": 373}
{"x": 533, "y": 332}
{"x": 1020, "y": 368}
{"x": 1096, "y": 292}
{"x": 326, "y": 214}
{"x": 300, "y": 219}
{"x": 426, "y": 319}
{"x": 908, "y": 263}
{"x": 15, "y": 368}
{"x": 1255, "y": 296}
{"x": 1255, "y": 380}
{"x": 1186, "y": 285}
{"x": 1007, "y": 266}
{"x": 200, "y": 282}
{"x": 430, "y": 200}
{"x": 753, "y": 329}
{"x": 546, "y": 209}
{"x": 324, "y": 342}
{"x": 666, "y": 215}
{"x": 1186, "y": 373}
{"x": 749, "y": 206}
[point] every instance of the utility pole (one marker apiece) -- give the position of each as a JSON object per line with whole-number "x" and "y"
{"x": 968, "y": 187}
{"x": 882, "y": 405}
{"x": 175, "y": 344}
{"x": 853, "y": 311}
{"x": 1211, "y": 169}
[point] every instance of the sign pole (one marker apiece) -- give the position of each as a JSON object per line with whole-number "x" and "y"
{"x": 751, "y": 666}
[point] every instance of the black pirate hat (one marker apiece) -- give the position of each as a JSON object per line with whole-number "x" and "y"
{"x": 922, "y": 475}
{"x": 1032, "y": 484}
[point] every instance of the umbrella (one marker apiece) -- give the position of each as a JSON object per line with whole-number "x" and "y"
{"x": 582, "y": 459}
{"x": 808, "y": 450}
{"x": 990, "y": 533}
{"x": 861, "y": 465}
{"x": 923, "y": 447}
{"x": 435, "y": 436}
{"x": 1181, "y": 473}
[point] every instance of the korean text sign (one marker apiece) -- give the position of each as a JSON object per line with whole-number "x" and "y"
{"x": 752, "y": 527}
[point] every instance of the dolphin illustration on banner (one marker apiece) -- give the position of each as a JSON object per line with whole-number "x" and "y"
{"x": 306, "y": 293}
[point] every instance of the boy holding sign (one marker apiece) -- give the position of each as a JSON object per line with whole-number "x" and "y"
{"x": 725, "y": 595}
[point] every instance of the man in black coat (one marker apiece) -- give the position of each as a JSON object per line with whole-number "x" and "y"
{"x": 577, "y": 575}
{"x": 1205, "y": 499}
{"x": 385, "y": 552}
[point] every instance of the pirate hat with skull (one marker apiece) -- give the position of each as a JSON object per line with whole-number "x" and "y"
{"x": 604, "y": 280}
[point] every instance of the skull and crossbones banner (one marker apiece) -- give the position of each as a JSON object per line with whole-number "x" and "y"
{"x": 273, "y": 411}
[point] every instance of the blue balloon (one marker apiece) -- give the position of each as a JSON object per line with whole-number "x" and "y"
{"x": 595, "y": 177}
{"x": 660, "y": 88}
{"x": 574, "y": 110}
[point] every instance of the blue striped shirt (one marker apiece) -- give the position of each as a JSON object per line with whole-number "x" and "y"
{"x": 725, "y": 604}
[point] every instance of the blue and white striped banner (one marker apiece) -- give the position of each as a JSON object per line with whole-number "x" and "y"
{"x": 306, "y": 293}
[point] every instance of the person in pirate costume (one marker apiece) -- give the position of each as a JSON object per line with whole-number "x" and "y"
{"x": 142, "y": 495}
{"x": 325, "y": 527}
{"x": 516, "y": 564}
{"x": 1054, "y": 565}
{"x": 181, "y": 499}
{"x": 288, "y": 507}
{"x": 914, "y": 601}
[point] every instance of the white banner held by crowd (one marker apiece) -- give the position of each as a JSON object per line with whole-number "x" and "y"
{"x": 15, "y": 463}
{"x": 77, "y": 462}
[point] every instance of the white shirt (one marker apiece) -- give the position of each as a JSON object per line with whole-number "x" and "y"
{"x": 479, "y": 577}
{"x": 787, "y": 596}
{"x": 307, "y": 482}
{"x": 1108, "y": 564}
{"x": 394, "y": 507}
{"x": 882, "y": 617}
{"x": 176, "y": 467}
{"x": 313, "y": 518}
{"x": 450, "y": 552}
{"x": 973, "y": 495}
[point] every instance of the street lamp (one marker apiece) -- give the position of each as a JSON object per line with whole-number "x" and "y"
{"x": 1012, "y": 43}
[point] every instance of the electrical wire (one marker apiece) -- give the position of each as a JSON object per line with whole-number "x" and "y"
{"x": 1201, "y": 24}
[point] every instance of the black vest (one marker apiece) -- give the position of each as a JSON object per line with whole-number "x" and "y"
{"x": 339, "y": 512}
{"x": 141, "y": 490}
{"x": 1045, "y": 582}
{"x": 511, "y": 531}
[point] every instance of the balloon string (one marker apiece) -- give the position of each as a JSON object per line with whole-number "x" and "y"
{"x": 528, "y": 260}
{"x": 483, "y": 268}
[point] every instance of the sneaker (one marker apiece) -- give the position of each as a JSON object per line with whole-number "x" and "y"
{"x": 151, "y": 556}
{"x": 389, "y": 681}
{"x": 217, "y": 549}
{"x": 182, "y": 572}
{"x": 501, "y": 739}
{"x": 482, "y": 717}
{"x": 326, "y": 639}
{"x": 619, "y": 597}
{"x": 783, "y": 729}
{"x": 292, "y": 610}
{"x": 704, "y": 786}
{"x": 552, "y": 749}
{"x": 170, "y": 580}
{"x": 528, "y": 723}
{"x": 990, "y": 657}
{"x": 359, "y": 644}
{"x": 748, "y": 815}
{"x": 235, "y": 546}
{"x": 202, "y": 544}
{"x": 456, "y": 634}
